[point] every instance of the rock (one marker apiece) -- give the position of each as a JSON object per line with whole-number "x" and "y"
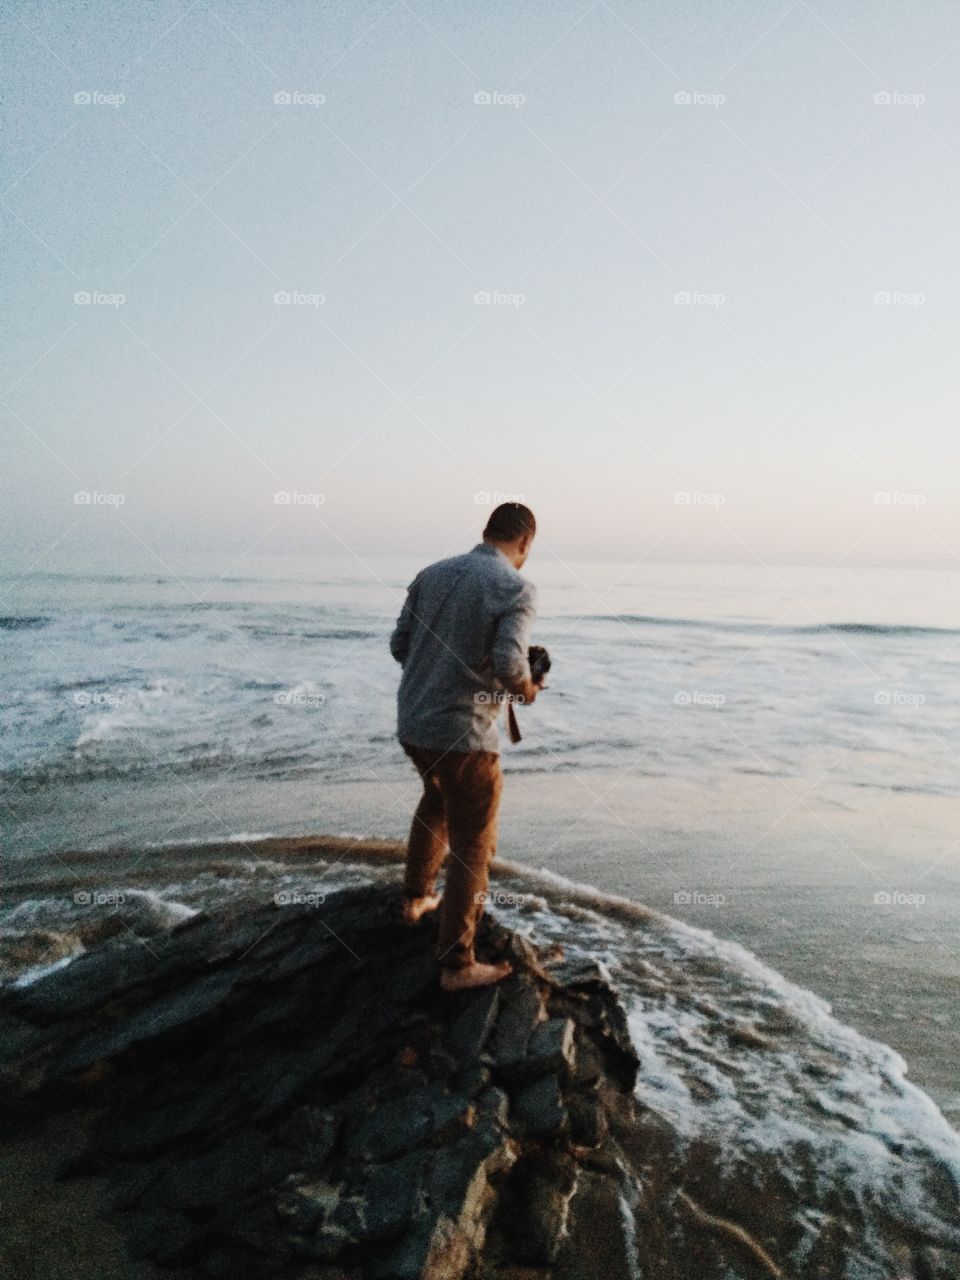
{"x": 471, "y": 1028}
{"x": 532, "y": 1214}
{"x": 521, "y": 1009}
{"x": 287, "y": 1095}
{"x": 275, "y": 1104}
{"x": 312, "y": 1131}
{"x": 552, "y": 1047}
{"x": 405, "y": 1122}
{"x": 599, "y": 1240}
{"x": 540, "y": 1108}
{"x": 231, "y": 1169}
{"x": 461, "y": 1187}
{"x": 588, "y": 1122}
{"x": 389, "y": 1198}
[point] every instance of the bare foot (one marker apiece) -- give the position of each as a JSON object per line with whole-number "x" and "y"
{"x": 414, "y": 908}
{"x": 474, "y": 975}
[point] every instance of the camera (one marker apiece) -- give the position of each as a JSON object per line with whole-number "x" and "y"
{"x": 539, "y": 662}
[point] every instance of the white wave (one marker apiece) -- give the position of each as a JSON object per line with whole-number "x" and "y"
{"x": 165, "y": 911}
{"x": 735, "y": 1056}
{"x": 29, "y": 976}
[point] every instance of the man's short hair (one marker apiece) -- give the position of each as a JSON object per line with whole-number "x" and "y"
{"x": 510, "y": 521}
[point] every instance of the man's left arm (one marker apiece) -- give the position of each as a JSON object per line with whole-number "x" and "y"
{"x": 511, "y": 664}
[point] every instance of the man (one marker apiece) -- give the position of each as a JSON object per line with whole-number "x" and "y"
{"x": 462, "y": 639}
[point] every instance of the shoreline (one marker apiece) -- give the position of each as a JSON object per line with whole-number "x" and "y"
{"x": 869, "y": 989}
{"x": 281, "y": 1077}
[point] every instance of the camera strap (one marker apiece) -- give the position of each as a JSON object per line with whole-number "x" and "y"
{"x": 512, "y": 727}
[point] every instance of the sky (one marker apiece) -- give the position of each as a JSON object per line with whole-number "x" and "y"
{"x": 336, "y": 278}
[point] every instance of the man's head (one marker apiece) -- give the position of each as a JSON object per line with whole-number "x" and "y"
{"x": 510, "y": 529}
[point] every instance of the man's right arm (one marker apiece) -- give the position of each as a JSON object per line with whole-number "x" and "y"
{"x": 511, "y": 664}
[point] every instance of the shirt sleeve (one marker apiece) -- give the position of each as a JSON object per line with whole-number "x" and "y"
{"x": 400, "y": 639}
{"x": 512, "y": 637}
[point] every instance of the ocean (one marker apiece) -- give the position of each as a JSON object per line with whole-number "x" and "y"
{"x": 765, "y": 756}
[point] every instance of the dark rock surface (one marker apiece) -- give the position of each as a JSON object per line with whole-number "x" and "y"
{"x": 285, "y": 1092}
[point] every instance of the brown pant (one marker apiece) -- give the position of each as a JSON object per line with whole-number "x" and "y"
{"x": 461, "y": 796}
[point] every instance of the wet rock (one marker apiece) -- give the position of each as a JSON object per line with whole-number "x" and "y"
{"x": 599, "y": 1240}
{"x": 287, "y": 1094}
{"x": 540, "y": 1108}
{"x": 214, "y": 1178}
{"x": 532, "y": 1215}
{"x": 470, "y": 1030}
{"x": 405, "y": 1122}
{"x": 521, "y": 1010}
{"x": 552, "y": 1047}
{"x": 588, "y": 1121}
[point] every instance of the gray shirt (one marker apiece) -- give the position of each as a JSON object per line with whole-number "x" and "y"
{"x": 463, "y": 631}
